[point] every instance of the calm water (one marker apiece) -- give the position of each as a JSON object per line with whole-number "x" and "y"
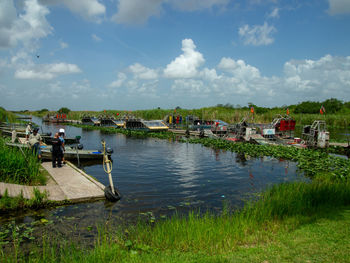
{"x": 157, "y": 177}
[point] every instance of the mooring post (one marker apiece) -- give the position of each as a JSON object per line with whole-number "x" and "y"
{"x": 107, "y": 169}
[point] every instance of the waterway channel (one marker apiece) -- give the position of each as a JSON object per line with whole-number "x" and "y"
{"x": 156, "y": 178}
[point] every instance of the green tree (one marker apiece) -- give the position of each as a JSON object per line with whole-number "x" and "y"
{"x": 64, "y": 110}
{"x": 332, "y": 105}
{"x": 308, "y": 107}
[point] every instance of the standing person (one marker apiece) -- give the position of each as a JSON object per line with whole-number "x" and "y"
{"x": 28, "y": 130}
{"x": 61, "y": 137}
{"x": 35, "y": 142}
{"x": 56, "y": 151}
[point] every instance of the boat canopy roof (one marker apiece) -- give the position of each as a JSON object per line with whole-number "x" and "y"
{"x": 155, "y": 123}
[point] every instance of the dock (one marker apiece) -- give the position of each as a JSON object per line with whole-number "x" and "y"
{"x": 339, "y": 144}
{"x": 67, "y": 183}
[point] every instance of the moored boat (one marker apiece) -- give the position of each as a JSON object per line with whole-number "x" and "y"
{"x": 143, "y": 125}
{"x": 58, "y": 118}
{"x": 71, "y": 153}
{"x": 90, "y": 120}
{"x": 46, "y": 137}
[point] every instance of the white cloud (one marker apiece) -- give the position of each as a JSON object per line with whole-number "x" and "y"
{"x": 119, "y": 82}
{"x": 236, "y": 80}
{"x": 142, "y": 72}
{"x": 21, "y": 56}
{"x": 24, "y": 27}
{"x": 46, "y": 72}
{"x": 274, "y": 13}
{"x": 142, "y": 81}
{"x": 96, "y": 38}
{"x": 318, "y": 77}
{"x": 257, "y": 35}
{"x": 186, "y": 65}
{"x": 136, "y": 11}
{"x": 193, "y": 5}
{"x": 139, "y": 11}
{"x": 76, "y": 90}
{"x": 63, "y": 45}
{"x": 339, "y": 7}
{"x": 88, "y": 9}
{"x": 239, "y": 69}
{"x": 192, "y": 87}
{"x": 302, "y": 80}
{"x": 209, "y": 74}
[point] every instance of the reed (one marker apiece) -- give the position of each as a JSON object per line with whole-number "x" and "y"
{"x": 204, "y": 236}
{"x": 6, "y": 116}
{"x": 19, "y": 167}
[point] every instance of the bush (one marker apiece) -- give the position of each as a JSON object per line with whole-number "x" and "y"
{"x": 311, "y": 107}
{"x": 64, "y": 110}
{"x": 332, "y": 105}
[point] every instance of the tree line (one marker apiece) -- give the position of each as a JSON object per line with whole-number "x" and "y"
{"x": 331, "y": 105}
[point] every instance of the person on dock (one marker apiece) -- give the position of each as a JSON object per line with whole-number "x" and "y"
{"x": 56, "y": 151}
{"x": 61, "y": 137}
{"x": 35, "y": 141}
{"x": 28, "y": 130}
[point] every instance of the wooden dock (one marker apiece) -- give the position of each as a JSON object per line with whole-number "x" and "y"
{"x": 68, "y": 183}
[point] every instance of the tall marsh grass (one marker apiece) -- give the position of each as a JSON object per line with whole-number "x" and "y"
{"x": 6, "y": 116}
{"x": 201, "y": 234}
{"x": 222, "y": 233}
{"x": 19, "y": 167}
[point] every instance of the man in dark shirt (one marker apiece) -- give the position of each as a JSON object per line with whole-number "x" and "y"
{"x": 56, "y": 151}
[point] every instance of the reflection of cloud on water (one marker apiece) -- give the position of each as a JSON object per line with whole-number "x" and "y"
{"x": 186, "y": 165}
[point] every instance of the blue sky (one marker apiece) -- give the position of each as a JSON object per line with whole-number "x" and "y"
{"x": 144, "y": 54}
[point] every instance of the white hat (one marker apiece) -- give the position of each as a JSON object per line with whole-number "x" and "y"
{"x": 61, "y": 130}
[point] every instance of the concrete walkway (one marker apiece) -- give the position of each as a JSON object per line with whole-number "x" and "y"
{"x": 70, "y": 183}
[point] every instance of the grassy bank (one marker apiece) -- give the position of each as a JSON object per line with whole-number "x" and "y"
{"x": 137, "y": 134}
{"x": 6, "y": 116}
{"x": 19, "y": 203}
{"x": 293, "y": 222}
{"x": 19, "y": 166}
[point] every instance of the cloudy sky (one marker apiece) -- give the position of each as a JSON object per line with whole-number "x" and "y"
{"x": 143, "y": 54}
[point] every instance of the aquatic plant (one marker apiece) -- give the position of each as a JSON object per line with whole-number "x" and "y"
{"x": 310, "y": 161}
{"x": 131, "y": 133}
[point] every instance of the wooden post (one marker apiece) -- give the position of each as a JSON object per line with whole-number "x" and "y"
{"x": 108, "y": 168}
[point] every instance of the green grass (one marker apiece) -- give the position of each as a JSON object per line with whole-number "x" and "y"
{"x": 39, "y": 200}
{"x": 292, "y": 222}
{"x": 12, "y": 203}
{"x": 19, "y": 167}
{"x": 6, "y": 116}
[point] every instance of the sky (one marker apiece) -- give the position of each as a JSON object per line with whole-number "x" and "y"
{"x": 145, "y": 54}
